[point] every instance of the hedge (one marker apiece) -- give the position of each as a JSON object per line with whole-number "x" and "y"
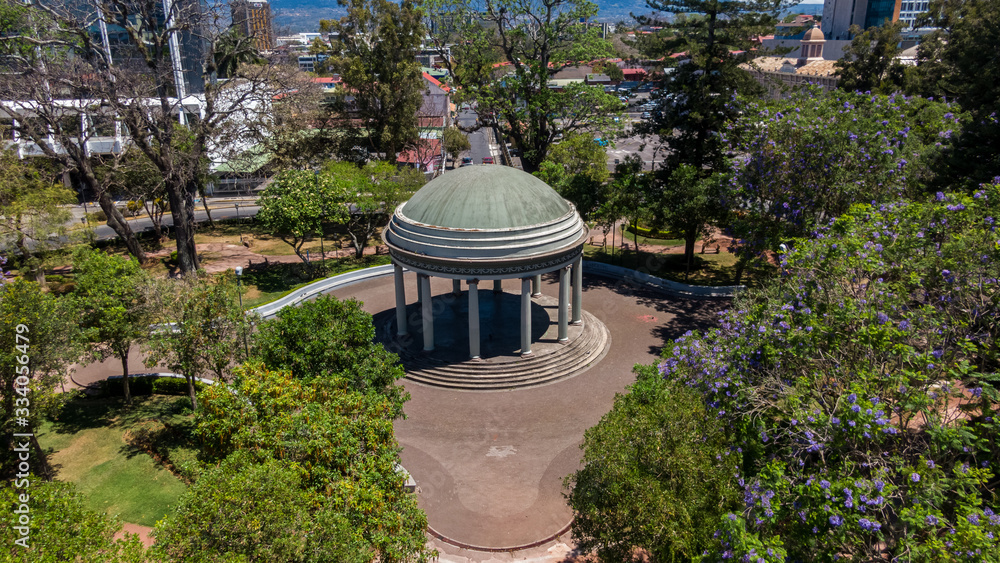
{"x": 149, "y": 385}
{"x": 651, "y": 233}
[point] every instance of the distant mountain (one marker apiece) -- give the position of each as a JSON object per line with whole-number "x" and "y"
{"x": 295, "y": 16}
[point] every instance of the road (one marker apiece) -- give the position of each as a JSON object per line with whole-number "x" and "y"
{"x": 482, "y": 141}
{"x": 222, "y": 208}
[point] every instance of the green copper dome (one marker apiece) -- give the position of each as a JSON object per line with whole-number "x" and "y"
{"x": 485, "y": 197}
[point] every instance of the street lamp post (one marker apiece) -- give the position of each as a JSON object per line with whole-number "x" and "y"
{"x": 239, "y": 291}
{"x": 239, "y": 223}
{"x": 322, "y": 251}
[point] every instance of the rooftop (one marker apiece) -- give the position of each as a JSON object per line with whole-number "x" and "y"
{"x": 485, "y": 197}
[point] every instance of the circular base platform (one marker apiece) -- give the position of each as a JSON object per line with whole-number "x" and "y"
{"x": 501, "y": 365}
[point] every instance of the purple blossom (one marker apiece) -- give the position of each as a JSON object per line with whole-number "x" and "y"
{"x": 869, "y": 525}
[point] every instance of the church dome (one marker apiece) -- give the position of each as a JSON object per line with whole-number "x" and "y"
{"x": 485, "y": 221}
{"x": 814, "y": 34}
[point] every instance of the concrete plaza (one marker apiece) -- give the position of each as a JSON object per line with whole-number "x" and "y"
{"x": 489, "y": 466}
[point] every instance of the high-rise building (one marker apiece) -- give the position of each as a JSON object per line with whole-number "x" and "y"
{"x": 187, "y": 48}
{"x": 253, "y": 19}
{"x": 840, "y": 15}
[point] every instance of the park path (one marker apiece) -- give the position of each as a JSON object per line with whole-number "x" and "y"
{"x": 489, "y": 466}
{"x": 145, "y": 533}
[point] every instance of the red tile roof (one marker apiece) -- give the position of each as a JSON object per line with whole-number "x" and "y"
{"x": 436, "y": 82}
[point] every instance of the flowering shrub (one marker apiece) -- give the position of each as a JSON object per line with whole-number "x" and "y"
{"x": 808, "y": 158}
{"x": 860, "y": 389}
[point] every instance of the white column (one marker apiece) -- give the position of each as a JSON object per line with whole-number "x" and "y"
{"x": 577, "y": 292}
{"x": 427, "y": 313}
{"x": 474, "y": 319}
{"x": 563, "y": 305}
{"x": 497, "y": 286}
{"x": 456, "y": 287}
{"x": 536, "y": 285}
{"x": 525, "y": 316}
{"x": 400, "y": 300}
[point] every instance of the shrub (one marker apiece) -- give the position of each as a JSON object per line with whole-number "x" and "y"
{"x": 149, "y": 385}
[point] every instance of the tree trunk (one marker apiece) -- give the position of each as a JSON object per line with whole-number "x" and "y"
{"x": 192, "y": 394}
{"x": 128, "y": 393}
{"x": 154, "y": 217}
{"x": 359, "y": 249}
{"x": 529, "y": 166}
{"x": 690, "y": 237}
{"x": 204, "y": 203}
{"x": 31, "y": 267}
{"x": 121, "y": 227}
{"x": 740, "y": 266}
{"x": 636, "y": 239}
{"x": 182, "y": 212}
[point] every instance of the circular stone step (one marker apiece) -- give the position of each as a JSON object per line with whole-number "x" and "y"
{"x": 501, "y": 366}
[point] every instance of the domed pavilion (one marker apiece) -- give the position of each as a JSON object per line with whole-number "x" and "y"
{"x": 487, "y": 223}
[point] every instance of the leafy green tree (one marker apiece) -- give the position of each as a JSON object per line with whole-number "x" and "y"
{"x": 869, "y": 63}
{"x": 63, "y": 529}
{"x": 203, "y": 331}
{"x": 860, "y": 388}
{"x": 364, "y": 198}
{"x": 117, "y": 305}
{"x": 688, "y": 204}
{"x": 656, "y": 476}
{"x": 505, "y": 64}
{"x": 232, "y": 49}
{"x": 953, "y": 63}
{"x": 577, "y": 168}
{"x": 34, "y": 358}
{"x": 810, "y": 157}
{"x": 330, "y": 339}
{"x": 455, "y": 142}
{"x": 695, "y": 101}
{"x": 629, "y": 196}
{"x": 375, "y": 56}
{"x": 340, "y": 441}
{"x": 294, "y": 206}
{"x": 611, "y": 70}
{"x": 257, "y": 511}
{"x": 30, "y": 211}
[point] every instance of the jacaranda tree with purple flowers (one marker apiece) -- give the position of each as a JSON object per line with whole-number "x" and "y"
{"x": 808, "y": 158}
{"x": 860, "y": 389}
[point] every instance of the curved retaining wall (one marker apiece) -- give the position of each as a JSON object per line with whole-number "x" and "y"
{"x": 599, "y": 268}
{"x": 322, "y": 286}
{"x": 676, "y": 288}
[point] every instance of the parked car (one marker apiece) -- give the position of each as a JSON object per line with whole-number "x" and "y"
{"x": 466, "y": 161}
{"x": 645, "y": 115}
{"x": 487, "y": 160}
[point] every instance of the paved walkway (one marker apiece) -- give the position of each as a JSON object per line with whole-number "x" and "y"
{"x": 490, "y": 466}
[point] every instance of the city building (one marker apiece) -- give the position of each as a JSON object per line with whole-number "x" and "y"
{"x": 778, "y": 74}
{"x": 253, "y": 19}
{"x": 840, "y": 15}
{"x": 188, "y": 48}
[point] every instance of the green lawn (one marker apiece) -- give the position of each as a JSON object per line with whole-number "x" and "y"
{"x": 93, "y": 444}
{"x": 280, "y": 279}
{"x": 709, "y": 269}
